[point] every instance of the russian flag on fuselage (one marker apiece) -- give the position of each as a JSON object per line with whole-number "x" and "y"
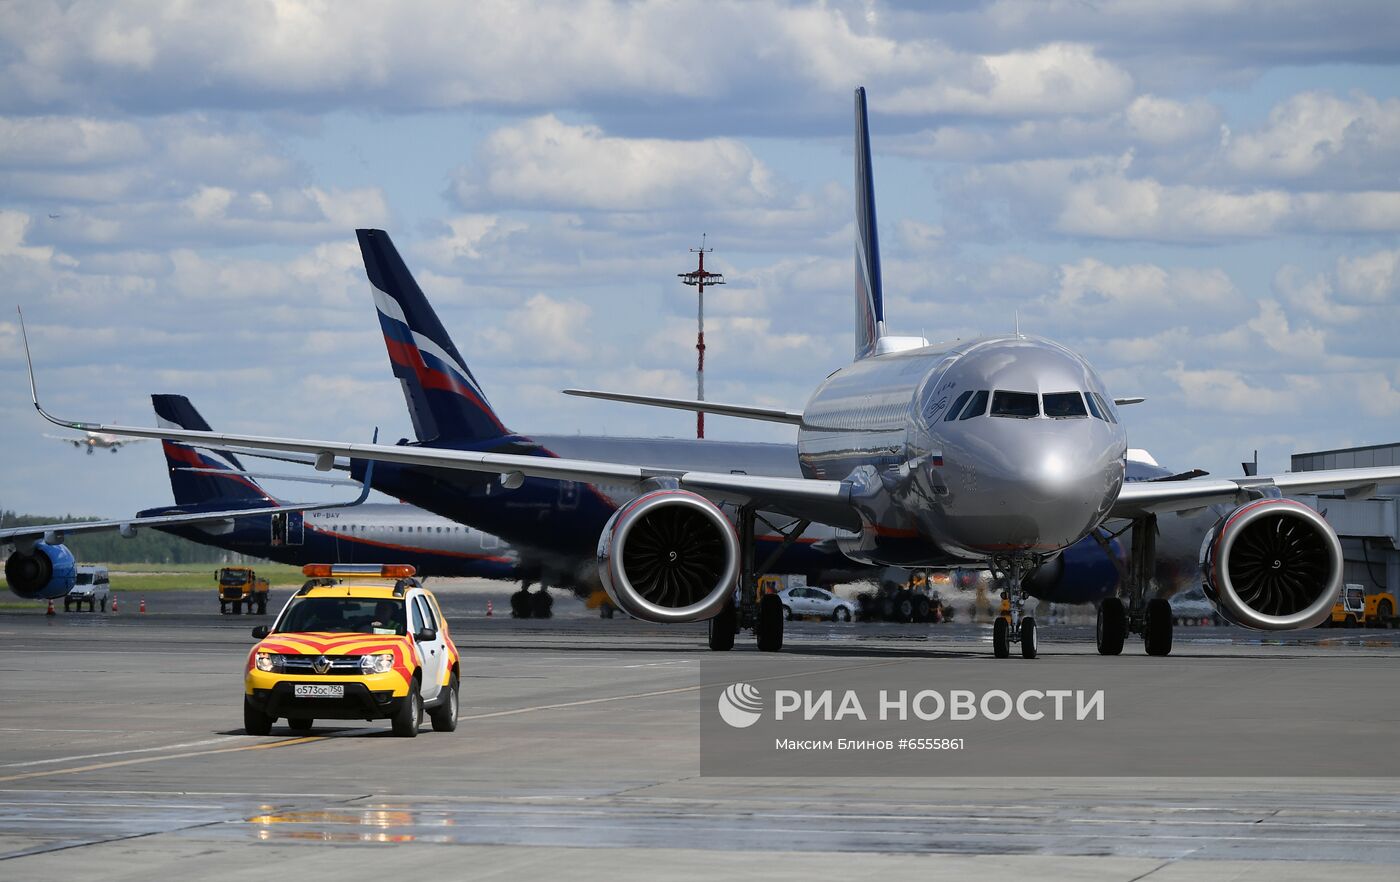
{"x": 444, "y": 399}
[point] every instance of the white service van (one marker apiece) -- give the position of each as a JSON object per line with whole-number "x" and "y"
{"x": 90, "y": 586}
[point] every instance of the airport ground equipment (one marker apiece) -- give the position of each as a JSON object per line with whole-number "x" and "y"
{"x": 91, "y": 585}
{"x": 1350, "y": 609}
{"x": 356, "y": 642}
{"x": 1380, "y": 610}
{"x": 240, "y": 587}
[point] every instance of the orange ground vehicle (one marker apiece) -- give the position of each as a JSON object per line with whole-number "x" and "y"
{"x": 240, "y": 586}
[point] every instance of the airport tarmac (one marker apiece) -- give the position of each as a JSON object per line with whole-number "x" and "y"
{"x": 577, "y": 757}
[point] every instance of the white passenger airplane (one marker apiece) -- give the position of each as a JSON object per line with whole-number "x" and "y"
{"x": 97, "y": 440}
{"x": 998, "y": 452}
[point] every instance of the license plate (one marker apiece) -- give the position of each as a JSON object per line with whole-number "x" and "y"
{"x": 317, "y": 690}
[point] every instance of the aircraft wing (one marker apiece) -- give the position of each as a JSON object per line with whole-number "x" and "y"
{"x": 1151, "y": 497}
{"x": 742, "y": 411}
{"x": 826, "y": 502}
{"x": 54, "y": 533}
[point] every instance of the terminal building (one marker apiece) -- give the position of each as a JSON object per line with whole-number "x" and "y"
{"x": 1369, "y": 523}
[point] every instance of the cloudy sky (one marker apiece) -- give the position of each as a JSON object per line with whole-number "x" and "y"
{"x": 1202, "y": 196}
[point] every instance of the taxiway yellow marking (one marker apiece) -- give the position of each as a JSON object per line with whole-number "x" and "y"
{"x": 156, "y": 759}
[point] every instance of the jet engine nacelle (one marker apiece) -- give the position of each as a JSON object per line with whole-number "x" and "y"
{"x": 1083, "y": 573}
{"x": 1273, "y": 565}
{"x": 669, "y": 556}
{"x": 45, "y": 571}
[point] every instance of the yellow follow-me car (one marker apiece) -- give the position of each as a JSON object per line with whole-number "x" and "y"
{"x": 357, "y": 642}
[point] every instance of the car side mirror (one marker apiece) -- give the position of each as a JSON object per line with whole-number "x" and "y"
{"x": 261, "y": 631}
{"x": 425, "y": 634}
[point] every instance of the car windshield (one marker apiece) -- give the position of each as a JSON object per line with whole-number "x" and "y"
{"x": 349, "y": 615}
{"x": 232, "y": 577}
{"x": 83, "y": 579}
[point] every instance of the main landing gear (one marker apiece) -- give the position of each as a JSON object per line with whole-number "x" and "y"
{"x": 763, "y": 613}
{"x": 525, "y": 604}
{"x": 1152, "y": 618}
{"x": 1011, "y": 625}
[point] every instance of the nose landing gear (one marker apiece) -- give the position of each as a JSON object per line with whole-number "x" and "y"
{"x": 1012, "y": 625}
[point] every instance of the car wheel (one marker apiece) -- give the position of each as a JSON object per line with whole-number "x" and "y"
{"x": 444, "y": 716}
{"x": 787, "y": 612}
{"x": 255, "y": 722}
{"x": 410, "y": 713}
{"x": 300, "y": 724}
{"x": 842, "y": 614}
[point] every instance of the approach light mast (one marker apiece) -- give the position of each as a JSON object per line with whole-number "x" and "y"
{"x": 698, "y": 279}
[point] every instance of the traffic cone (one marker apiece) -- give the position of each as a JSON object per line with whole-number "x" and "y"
{"x": 488, "y": 608}
{"x": 50, "y": 610}
{"x": 114, "y": 604}
{"x": 143, "y": 604}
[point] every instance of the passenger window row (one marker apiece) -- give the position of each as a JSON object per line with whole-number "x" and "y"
{"x": 1028, "y": 405}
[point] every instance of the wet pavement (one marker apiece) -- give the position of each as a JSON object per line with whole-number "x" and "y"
{"x": 122, "y": 757}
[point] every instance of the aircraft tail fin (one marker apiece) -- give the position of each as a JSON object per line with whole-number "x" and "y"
{"x": 205, "y": 485}
{"x": 870, "y": 302}
{"x": 444, "y": 399}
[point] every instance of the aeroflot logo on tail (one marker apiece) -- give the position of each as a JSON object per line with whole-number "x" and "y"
{"x": 741, "y": 705}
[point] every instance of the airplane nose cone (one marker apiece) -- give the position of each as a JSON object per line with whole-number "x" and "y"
{"x": 1042, "y": 488}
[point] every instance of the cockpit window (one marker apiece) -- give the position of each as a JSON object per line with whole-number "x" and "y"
{"x": 957, "y": 406}
{"x": 1064, "y": 405}
{"x": 976, "y": 407}
{"x": 1094, "y": 407}
{"x": 1022, "y": 405}
{"x": 1103, "y": 406}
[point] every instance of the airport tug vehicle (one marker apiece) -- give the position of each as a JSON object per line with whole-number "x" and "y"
{"x": 356, "y": 642}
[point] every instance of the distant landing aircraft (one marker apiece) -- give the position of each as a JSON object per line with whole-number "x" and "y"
{"x": 94, "y": 440}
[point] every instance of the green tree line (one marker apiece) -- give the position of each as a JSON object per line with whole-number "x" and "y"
{"x": 147, "y": 546}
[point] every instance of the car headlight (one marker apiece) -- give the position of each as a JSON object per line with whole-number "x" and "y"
{"x": 378, "y": 663}
{"x": 268, "y": 661}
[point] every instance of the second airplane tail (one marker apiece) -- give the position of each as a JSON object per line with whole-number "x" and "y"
{"x": 444, "y": 399}
{"x": 201, "y": 476}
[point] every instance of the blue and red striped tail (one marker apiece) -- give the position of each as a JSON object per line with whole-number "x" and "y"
{"x": 870, "y": 296}
{"x": 444, "y": 399}
{"x": 205, "y": 485}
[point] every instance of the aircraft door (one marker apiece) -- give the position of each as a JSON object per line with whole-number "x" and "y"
{"x": 288, "y": 528}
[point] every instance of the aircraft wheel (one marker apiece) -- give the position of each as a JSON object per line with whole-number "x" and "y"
{"x": 922, "y": 608}
{"x": 723, "y": 627}
{"x": 769, "y": 629}
{"x": 1112, "y": 626}
{"x": 1030, "y": 646}
{"x": 255, "y": 722}
{"x": 1157, "y": 627}
{"x": 1001, "y": 638}
{"x": 542, "y": 604}
{"x": 904, "y": 607}
{"x": 520, "y": 605}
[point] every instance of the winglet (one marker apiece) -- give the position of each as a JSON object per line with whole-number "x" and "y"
{"x": 34, "y": 391}
{"x": 870, "y": 298}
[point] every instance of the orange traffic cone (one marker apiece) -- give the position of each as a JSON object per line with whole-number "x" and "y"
{"x": 50, "y": 610}
{"x": 488, "y": 608}
{"x": 143, "y": 604}
{"x": 114, "y": 604}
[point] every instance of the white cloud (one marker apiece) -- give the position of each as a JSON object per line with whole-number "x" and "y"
{"x": 1057, "y": 78}
{"x": 1320, "y": 137}
{"x": 1370, "y": 278}
{"x": 545, "y": 161}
